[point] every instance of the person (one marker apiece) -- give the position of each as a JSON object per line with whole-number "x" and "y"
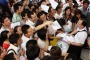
{"x": 15, "y": 42}
{"x": 5, "y": 41}
{"x": 58, "y": 13}
{"x": 11, "y": 56}
{"x": 56, "y": 53}
{"x": 17, "y": 30}
{"x": 6, "y": 24}
{"x": 79, "y": 38}
{"x": 18, "y": 8}
{"x": 84, "y": 9}
{"x": 67, "y": 16}
{"x": 32, "y": 52}
{"x": 28, "y": 32}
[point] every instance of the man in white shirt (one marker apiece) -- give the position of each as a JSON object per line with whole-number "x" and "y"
{"x": 80, "y": 37}
{"x": 6, "y": 24}
{"x": 28, "y": 32}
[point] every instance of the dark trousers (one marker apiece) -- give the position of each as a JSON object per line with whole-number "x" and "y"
{"x": 75, "y": 50}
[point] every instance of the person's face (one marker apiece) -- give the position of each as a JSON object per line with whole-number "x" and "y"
{"x": 79, "y": 24}
{"x": 26, "y": 2}
{"x": 7, "y": 22}
{"x": 85, "y": 6}
{"x": 68, "y": 12}
{"x": 70, "y": 2}
{"x": 59, "y": 10}
{"x": 25, "y": 17}
{"x": 30, "y": 32}
{"x": 52, "y": 12}
{"x": 34, "y": 17}
{"x": 19, "y": 31}
{"x": 43, "y": 17}
{"x": 20, "y": 9}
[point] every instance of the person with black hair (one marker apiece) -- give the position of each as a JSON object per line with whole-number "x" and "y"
{"x": 15, "y": 42}
{"x": 42, "y": 41}
{"x": 11, "y": 56}
{"x": 4, "y": 39}
{"x": 58, "y": 13}
{"x": 56, "y": 53}
{"x": 32, "y": 52}
{"x": 30, "y": 43}
{"x": 6, "y": 24}
{"x": 17, "y": 30}
{"x": 18, "y": 8}
{"x": 85, "y": 7}
{"x": 67, "y": 16}
{"x": 28, "y": 32}
{"x": 31, "y": 6}
{"x": 80, "y": 36}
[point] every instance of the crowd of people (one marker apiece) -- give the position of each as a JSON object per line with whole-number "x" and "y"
{"x": 26, "y": 31}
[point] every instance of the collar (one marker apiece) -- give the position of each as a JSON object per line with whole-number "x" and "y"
{"x": 82, "y": 29}
{"x": 32, "y": 23}
{"x": 16, "y": 49}
{"x": 24, "y": 37}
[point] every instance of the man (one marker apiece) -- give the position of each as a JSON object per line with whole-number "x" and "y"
{"x": 6, "y": 24}
{"x": 85, "y": 9}
{"x": 80, "y": 37}
{"x": 18, "y": 8}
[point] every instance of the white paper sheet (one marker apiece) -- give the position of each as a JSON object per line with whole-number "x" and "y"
{"x": 55, "y": 25}
{"x": 45, "y": 8}
{"x": 15, "y": 24}
{"x": 54, "y": 4}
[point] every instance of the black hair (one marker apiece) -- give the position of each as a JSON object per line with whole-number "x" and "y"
{"x": 31, "y": 42}
{"x": 30, "y": 5}
{"x": 24, "y": 12}
{"x": 42, "y": 34}
{"x": 84, "y": 23}
{"x": 75, "y": 5}
{"x": 15, "y": 28}
{"x": 16, "y": 6}
{"x": 32, "y": 52}
{"x": 40, "y": 14}
{"x": 30, "y": 13}
{"x": 85, "y": 1}
{"x": 56, "y": 52}
{"x": 67, "y": 9}
{"x": 4, "y": 36}
{"x": 35, "y": 9}
{"x": 3, "y": 18}
{"x": 13, "y": 39}
{"x": 9, "y": 57}
{"x": 58, "y": 7}
{"x": 49, "y": 9}
{"x": 47, "y": 58}
{"x": 25, "y": 28}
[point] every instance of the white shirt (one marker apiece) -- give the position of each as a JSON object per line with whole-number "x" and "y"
{"x": 2, "y": 29}
{"x": 81, "y": 36}
{"x": 68, "y": 27}
{"x": 30, "y": 23}
{"x": 16, "y": 49}
{"x": 25, "y": 40}
{"x": 41, "y": 43}
{"x": 58, "y": 16}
